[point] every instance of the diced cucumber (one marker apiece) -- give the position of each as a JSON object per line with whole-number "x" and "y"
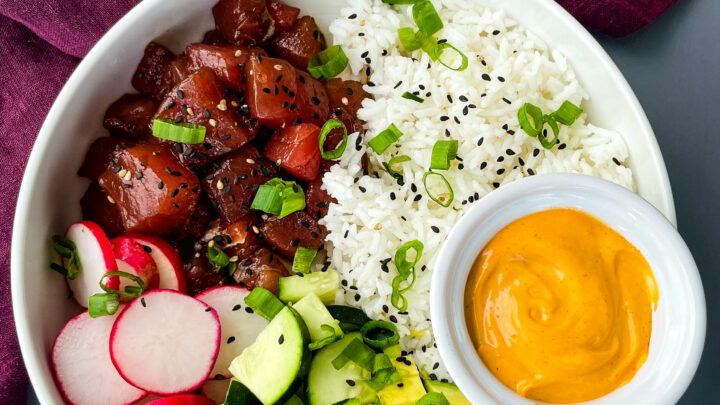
{"x": 294, "y": 400}
{"x": 450, "y": 390}
{"x": 411, "y": 389}
{"x": 350, "y": 318}
{"x": 271, "y": 368}
{"x": 238, "y": 394}
{"x": 315, "y": 315}
{"x": 327, "y": 386}
{"x": 324, "y": 285}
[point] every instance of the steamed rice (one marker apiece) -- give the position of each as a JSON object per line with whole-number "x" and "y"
{"x": 375, "y": 215}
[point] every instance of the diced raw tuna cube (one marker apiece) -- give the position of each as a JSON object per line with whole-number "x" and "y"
{"x": 243, "y": 22}
{"x": 131, "y": 116}
{"x": 299, "y": 43}
{"x": 296, "y": 229}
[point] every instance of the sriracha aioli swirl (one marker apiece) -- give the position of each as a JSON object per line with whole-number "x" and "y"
{"x": 559, "y": 307}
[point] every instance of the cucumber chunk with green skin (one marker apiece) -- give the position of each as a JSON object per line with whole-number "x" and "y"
{"x": 324, "y": 285}
{"x": 450, "y": 390}
{"x": 411, "y": 389}
{"x": 273, "y": 366}
{"x": 238, "y": 394}
{"x": 327, "y": 386}
{"x": 315, "y": 315}
{"x": 351, "y": 319}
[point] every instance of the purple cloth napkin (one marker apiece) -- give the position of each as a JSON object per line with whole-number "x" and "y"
{"x": 41, "y": 42}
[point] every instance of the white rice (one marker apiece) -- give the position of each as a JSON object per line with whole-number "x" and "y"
{"x": 368, "y": 226}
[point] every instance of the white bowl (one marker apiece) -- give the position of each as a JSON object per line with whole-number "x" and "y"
{"x": 678, "y": 324}
{"x": 49, "y": 195}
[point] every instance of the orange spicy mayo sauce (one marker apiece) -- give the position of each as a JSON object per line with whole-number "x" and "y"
{"x": 559, "y": 307}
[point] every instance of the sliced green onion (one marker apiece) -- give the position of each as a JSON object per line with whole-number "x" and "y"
{"x": 567, "y": 113}
{"x": 464, "y": 62}
{"x": 393, "y": 161}
{"x": 265, "y": 303}
{"x": 129, "y": 291}
{"x": 183, "y": 132}
{"x": 303, "y": 259}
{"x": 384, "y": 139}
{"x": 530, "y": 118}
{"x": 67, "y": 249}
{"x": 397, "y": 299}
{"x": 401, "y": 257}
{"x": 443, "y": 152}
{"x": 433, "y": 398}
{"x": 327, "y": 127}
{"x": 279, "y": 197}
{"x": 426, "y": 17}
{"x": 410, "y": 40}
{"x": 412, "y": 97}
{"x": 103, "y": 304}
{"x": 439, "y": 198}
{"x": 326, "y": 340}
{"x": 218, "y": 257}
{"x": 356, "y": 352}
{"x": 380, "y": 334}
{"x": 542, "y": 137}
{"x": 395, "y": 2}
{"x": 328, "y": 63}
{"x": 383, "y": 374}
{"x": 432, "y": 48}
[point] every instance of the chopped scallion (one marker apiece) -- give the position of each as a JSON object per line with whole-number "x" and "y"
{"x": 303, "y": 259}
{"x": 103, "y": 304}
{"x": 279, "y": 197}
{"x": 401, "y": 256}
{"x": 265, "y": 303}
{"x": 326, "y": 129}
{"x": 389, "y": 166}
{"x": 543, "y": 138}
{"x": 443, "y": 152}
{"x": 426, "y": 17}
{"x": 530, "y": 118}
{"x": 328, "y": 63}
{"x": 384, "y": 139}
{"x": 444, "y": 198}
{"x": 567, "y": 113}
{"x": 409, "y": 39}
{"x": 380, "y": 334}
{"x": 464, "y": 59}
{"x": 130, "y": 291}
{"x": 68, "y": 251}
{"x": 331, "y": 337}
{"x": 221, "y": 260}
{"x": 182, "y": 132}
{"x": 412, "y": 97}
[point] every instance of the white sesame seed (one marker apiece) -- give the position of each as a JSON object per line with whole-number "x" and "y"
{"x": 220, "y": 185}
{"x": 212, "y": 122}
{"x": 238, "y": 52}
{"x": 211, "y": 243}
{"x": 344, "y": 100}
{"x": 197, "y": 254}
{"x": 189, "y": 111}
{"x": 112, "y": 201}
{"x": 264, "y": 217}
{"x": 234, "y": 259}
{"x": 122, "y": 173}
{"x": 128, "y": 176}
{"x": 277, "y": 67}
{"x": 255, "y": 229}
{"x": 222, "y": 106}
{"x": 250, "y": 161}
{"x": 234, "y": 103}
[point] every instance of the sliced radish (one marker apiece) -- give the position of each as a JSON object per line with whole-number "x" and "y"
{"x": 82, "y": 364}
{"x": 165, "y": 342}
{"x": 239, "y": 324}
{"x": 133, "y": 258}
{"x": 186, "y": 399}
{"x": 169, "y": 264}
{"x": 96, "y": 258}
{"x": 216, "y": 390}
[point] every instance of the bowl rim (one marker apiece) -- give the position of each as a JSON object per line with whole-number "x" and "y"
{"x": 33, "y": 356}
{"x": 575, "y": 191}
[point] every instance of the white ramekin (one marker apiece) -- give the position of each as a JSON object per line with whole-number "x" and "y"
{"x": 678, "y": 330}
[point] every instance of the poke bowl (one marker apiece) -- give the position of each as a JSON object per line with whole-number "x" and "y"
{"x": 366, "y": 205}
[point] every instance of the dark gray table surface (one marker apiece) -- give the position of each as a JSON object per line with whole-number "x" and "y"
{"x": 673, "y": 65}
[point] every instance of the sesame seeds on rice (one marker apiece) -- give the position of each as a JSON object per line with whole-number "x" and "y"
{"x": 377, "y": 213}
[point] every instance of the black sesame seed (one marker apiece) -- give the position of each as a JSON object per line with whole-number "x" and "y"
{"x": 617, "y": 162}
{"x": 500, "y": 171}
{"x": 417, "y": 197}
{"x": 281, "y": 339}
{"x": 361, "y": 34}
{"x": 161, "y": 185}
{"x": 357, "y": 297}
{"x": 180, "y": 94}
{"x": 502, "y": 79}
{"x": 249, "y": 310}
{"x": 444, "y": 118}
{"x": 435, "y": 229}
{"x": 486, "y": 76}
{"x": 392, "y": 318}
{"x": 496, "y": 184}
{"x": 536, "y": 152}
{"x": 142, "y": 301}
{"x": 483, "y": 165}
{"x": 506, "y": 100}
{"x": 496, "y": 32}
{"x": 295, "y": 242}
{"x": 461, "y": 166}
{"x": 562, "y": 146}
{"x": 139, "y": 175}
{"x": 362, "y": 189}
{"x": 350, "y": 383}
{"x": 178, "y": 119}
{"x": 236, "y": 307}
{"x": 501, "y": 158}
{"x": 397, "y": 84}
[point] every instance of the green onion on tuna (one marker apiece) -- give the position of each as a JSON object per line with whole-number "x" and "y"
{"x": 279, "y": 197}
{"x": 182, "y": 132}
{"x": 327, "y": 127}
{"x": 328, "y": 63}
